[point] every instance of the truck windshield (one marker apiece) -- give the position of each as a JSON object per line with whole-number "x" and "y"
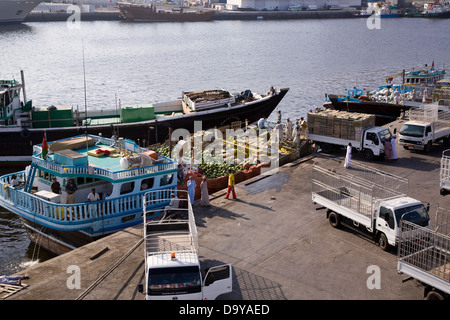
{"x": 416, "y": 214}
{"x": 385, "y": 135}
{"x": 177, "y": 280}
{"x": 412, "y": 130}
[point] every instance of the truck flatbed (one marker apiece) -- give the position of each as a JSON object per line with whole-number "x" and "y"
{"x": 424, "y": 254}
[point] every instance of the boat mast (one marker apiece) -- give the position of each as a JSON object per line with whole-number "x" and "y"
{"x": 85, "y": 96}
{"x": 23, "y": 88}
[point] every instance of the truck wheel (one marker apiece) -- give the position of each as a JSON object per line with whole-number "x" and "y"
{"x": 406, "y": 147}
{"x": 434, "y": 295}
{"x": 368, "y": 154}
{"x": 383, "y": 242}
{"x": 326, "y": 147}
{"x": 334, "y": 220}
{"x": 428, "y": 147}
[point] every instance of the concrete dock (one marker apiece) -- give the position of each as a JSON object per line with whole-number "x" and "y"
{"x": 280, "y": 245}
{"x": 220, "y": 15}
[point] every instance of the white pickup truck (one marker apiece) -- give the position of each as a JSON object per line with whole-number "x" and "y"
{"x": 172, "y": 264}
{"x": 365, "y": 199}
{"x": 366, "y": 139}
{"x": 426, "y": 125}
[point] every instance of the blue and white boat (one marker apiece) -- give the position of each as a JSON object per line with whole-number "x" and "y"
{"x": 121, "y": 173}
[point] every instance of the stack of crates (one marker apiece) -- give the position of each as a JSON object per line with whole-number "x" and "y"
{"x": 339, "y": 124}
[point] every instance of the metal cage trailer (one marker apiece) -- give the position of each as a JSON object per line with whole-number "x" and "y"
{"x": 172, "y": 264}
{"x": 365, "y": 199}
{"x": 444, "y": 174}
{"x": 424, "y": 255}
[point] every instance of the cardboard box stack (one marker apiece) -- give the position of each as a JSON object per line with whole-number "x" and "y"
{"x": 339, "y": 124}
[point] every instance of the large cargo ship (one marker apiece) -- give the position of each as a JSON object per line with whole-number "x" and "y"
{"x": 148, "y": 12}
{"x": 15, "y": 11}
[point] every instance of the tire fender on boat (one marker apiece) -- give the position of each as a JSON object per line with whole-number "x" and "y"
{"x": 25, "y": 133}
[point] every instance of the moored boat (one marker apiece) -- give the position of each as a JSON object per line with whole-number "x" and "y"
{"x": 389, "y": 101}
{"x": 379, "y": 9}
{"x": 23, "y": 125}
{"x": 119, "y": 170}
{"x": 149, "y": 12}
{"x": 15, "y": 11}
{"x": 436, "y": 10}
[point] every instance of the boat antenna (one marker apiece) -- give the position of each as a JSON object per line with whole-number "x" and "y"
{"x": 85, "y": 96}
{"x": 84, "y": 80}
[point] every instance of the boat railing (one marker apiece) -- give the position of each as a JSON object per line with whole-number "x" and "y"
{"x": 100, "y": 172}
{"x": 78, "y": 213}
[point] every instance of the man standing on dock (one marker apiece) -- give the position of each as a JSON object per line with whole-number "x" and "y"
{"x": 348, "y": 156}
{"x": 231, "y": 183}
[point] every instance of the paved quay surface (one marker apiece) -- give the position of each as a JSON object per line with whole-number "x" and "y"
{"x": 280, "y": 246}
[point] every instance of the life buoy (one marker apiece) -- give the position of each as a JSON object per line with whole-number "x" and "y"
{"x": 25, "y": 133}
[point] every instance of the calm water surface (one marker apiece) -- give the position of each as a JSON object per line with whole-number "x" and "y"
{"x": 139, "y": 63}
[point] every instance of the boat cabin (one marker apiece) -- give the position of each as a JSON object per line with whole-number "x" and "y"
{"x": 423, "y": 77}
{"x": 113, "y": 167}
{"x": 10, "y": 105}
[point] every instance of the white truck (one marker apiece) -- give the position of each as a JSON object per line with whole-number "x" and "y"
{"x": 331, "y": 131}
{"x": 365, "y": 199}
{"x": 172, "y": 264}
{"x": 423, "y": 255}
{"x": 426, "y": 125}
{"x": 444, "y": 174}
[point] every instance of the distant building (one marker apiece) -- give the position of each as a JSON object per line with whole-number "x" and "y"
{"x": 286, "y": 4}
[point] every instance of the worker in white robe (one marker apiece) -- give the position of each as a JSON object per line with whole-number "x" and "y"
{"x": 348, "y": 156}
{"x": 394, "y": 148}
{"x": 296, "y": 133}
{"x": 278, "y": 129}
{"x": 191, "y": 184}
{"x": 396, "y": 97}
{"x": 304, "y": 127}
{"x": 288, "y": 129}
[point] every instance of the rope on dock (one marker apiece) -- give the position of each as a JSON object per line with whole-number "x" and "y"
{"x": 99, "y": 280}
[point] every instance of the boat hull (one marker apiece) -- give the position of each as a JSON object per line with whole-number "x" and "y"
{"x": 16, "y": 144}
{"x": 14, "y": 12}
{"x": 146, "y": 13}
{"x": 54, "y": 241}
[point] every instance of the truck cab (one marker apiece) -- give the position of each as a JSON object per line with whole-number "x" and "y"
{"x": 416, "y": 135}
{"x": 177, "y": 276}
{"x": 391, "y": 212}
{"x": 425, "y": 126}
{"x": 373, "y": 141}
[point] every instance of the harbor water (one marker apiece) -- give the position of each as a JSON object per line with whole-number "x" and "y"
{"x": 114, "y": 61}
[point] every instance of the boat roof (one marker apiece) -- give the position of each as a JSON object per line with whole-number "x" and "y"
{"x": 96, "y": 156}
{"x": 424, "y": 73}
